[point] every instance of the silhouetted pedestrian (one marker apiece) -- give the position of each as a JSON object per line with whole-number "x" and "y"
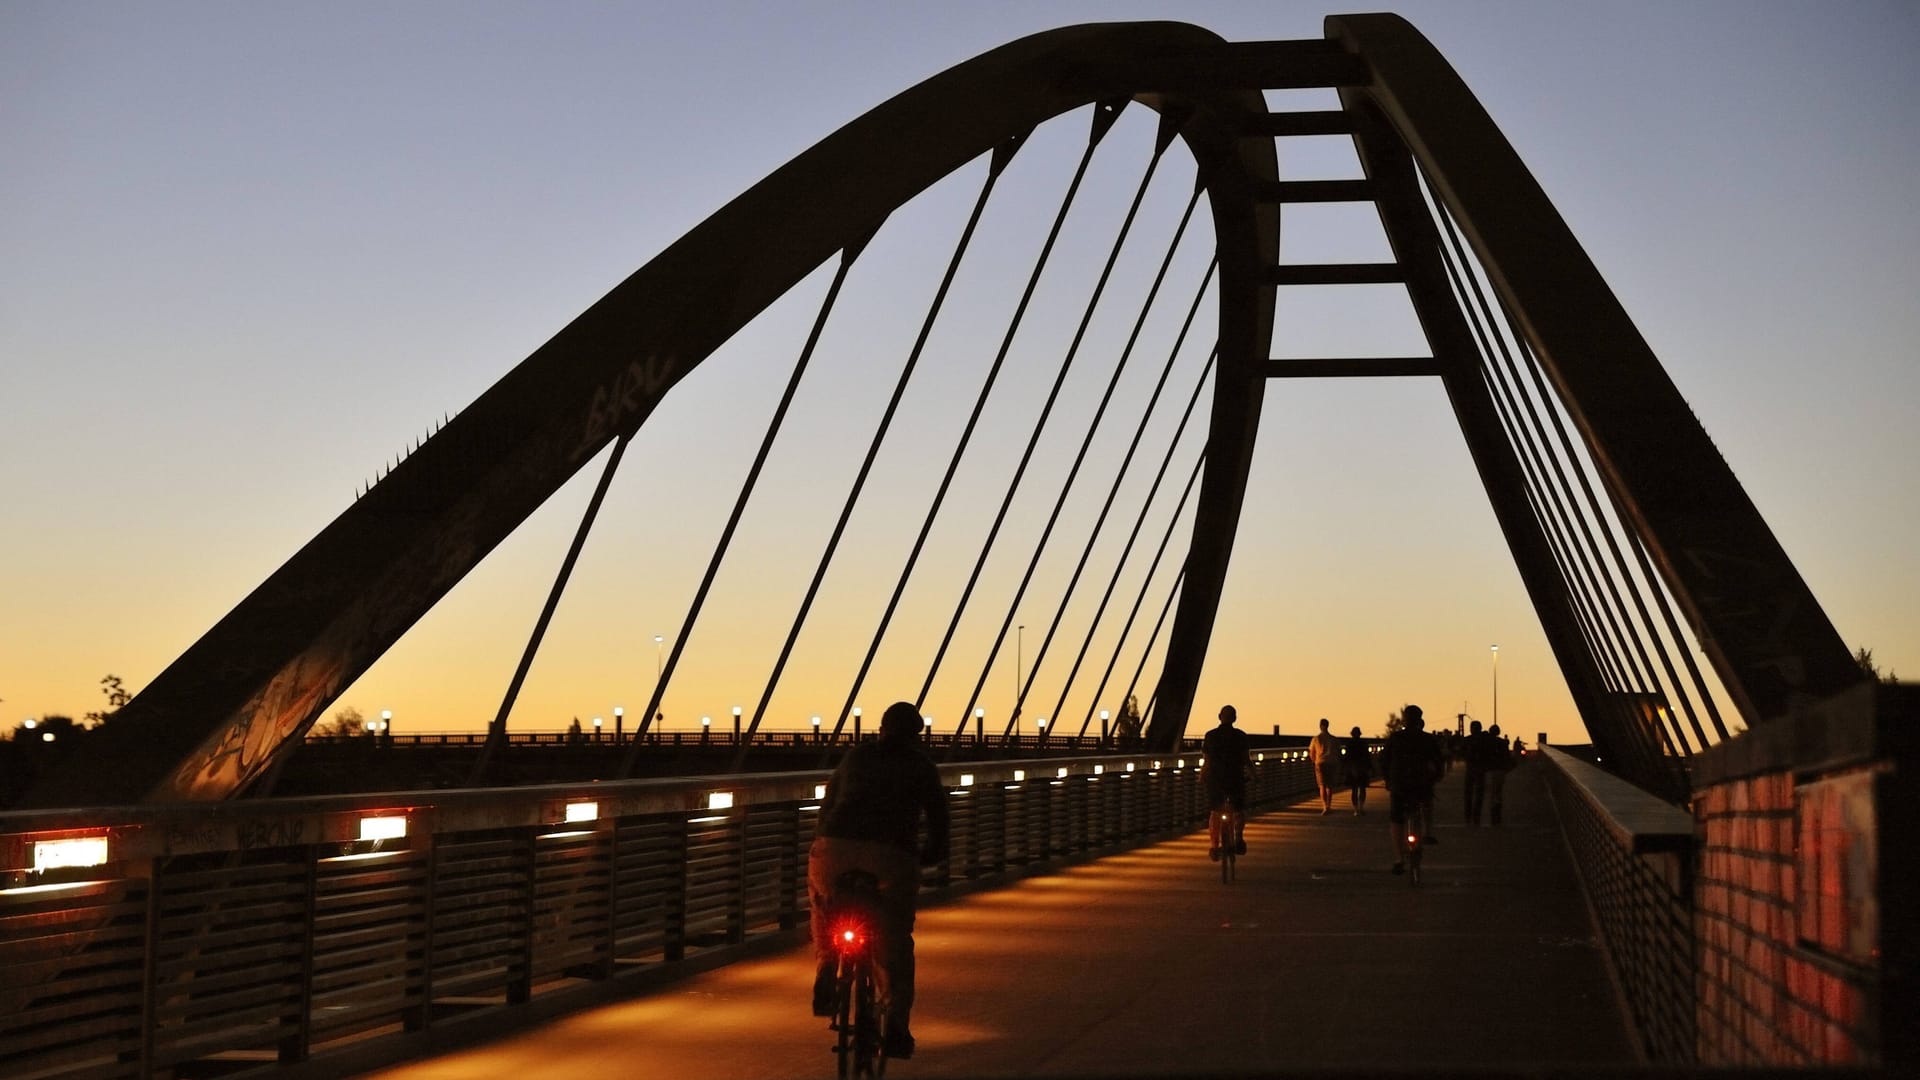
{"x": 1500, "y": 763}
{"x": 1478, "y": 752}
{"x": 1356, "y": 769}
{"x": 1323, "y": 751}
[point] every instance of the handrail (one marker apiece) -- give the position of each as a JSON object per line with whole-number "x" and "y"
{"x": 1635, "y": 855}
{"x": 288, "y": 927}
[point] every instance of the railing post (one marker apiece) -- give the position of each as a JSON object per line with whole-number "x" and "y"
{"x": 520, "y": 987}
{"x": 791, "y": 877}
{"x": 674, "y": 935}
{"x": 294, "y": 1047}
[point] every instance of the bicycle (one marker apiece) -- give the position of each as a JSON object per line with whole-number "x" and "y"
{"x": 855, "y": 918}
{"x": 1419, "y": 822}
{"x": 1223, "y": 834}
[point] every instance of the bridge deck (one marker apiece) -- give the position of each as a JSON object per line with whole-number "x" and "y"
{"x": 1143, "y": 963}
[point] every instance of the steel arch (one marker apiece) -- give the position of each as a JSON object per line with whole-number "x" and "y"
{"x": 217, "y": 717}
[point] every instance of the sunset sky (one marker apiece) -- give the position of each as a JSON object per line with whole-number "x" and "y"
{"x": 252, "y": 251}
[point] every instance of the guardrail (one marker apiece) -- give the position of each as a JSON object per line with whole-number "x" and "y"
{"x": 155, "y": 940}
{"x": 1635, "y": 854}
{"x": 723, "y": 737}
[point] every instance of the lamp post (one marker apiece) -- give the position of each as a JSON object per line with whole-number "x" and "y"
{"x": 979, "y": 725}
{"x": 658, "y": 639}
{"x": 386, "y": 726}
{"x": 736, "y": 725}
{"x": 619, "y": 715}
{"x": 1019, "y": 650}
{"x": 856, "y": 723}
{"x": 596, "y": 728}
{"x": 706, "y": 729}
{"x": 1496, "y": 686}
{"x": 816, "y": 729}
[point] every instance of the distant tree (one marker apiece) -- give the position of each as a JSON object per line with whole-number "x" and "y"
{"x": 1127, "y": 724}
{"x": 60, "y": 727}
{"x": 573, "y": 732}
{"x": 346, "y": 722}
{"x": 117, "y": 698}
{"x": 1395, "y": 721}
{"x": 1864, "y": 657}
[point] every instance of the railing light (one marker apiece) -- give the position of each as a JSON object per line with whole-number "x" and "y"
{"x": 582, "y": 811}
{"x": 966, "y": 779}
{"x": 1063, "y": 771}
{"x": 720, "y": 800}
{"x": 1097, "y": 770}
{"x": 1156, "y": 764}
{"x": 1179, "y": 763}
{"x": 1019, "y": 775}
{"x": 1129, "y": 766}
{"x": 383, "y": 828}
{"x": 1259, "y": 757}
{"x": 59, "y": 854}
{"x": 819, "y": 791}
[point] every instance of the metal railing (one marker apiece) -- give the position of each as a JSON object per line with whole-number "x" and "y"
{"x": 273, "y": 930}
{"x": 1635, "y": 854}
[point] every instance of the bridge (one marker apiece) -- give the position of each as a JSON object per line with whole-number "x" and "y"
{"x": 165, "y": 911}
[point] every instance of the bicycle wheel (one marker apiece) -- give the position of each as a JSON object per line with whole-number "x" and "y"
{"x": 843, "y": 1023}
{"x": 868, "y": 1060}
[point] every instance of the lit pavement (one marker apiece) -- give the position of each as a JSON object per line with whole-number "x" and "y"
{"x": 1143, "y": 963}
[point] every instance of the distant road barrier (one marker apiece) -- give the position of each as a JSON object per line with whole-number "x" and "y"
{"x": 152, "y": 938}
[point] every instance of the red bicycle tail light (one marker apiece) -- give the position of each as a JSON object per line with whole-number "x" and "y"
{"x": 849, "y": 936}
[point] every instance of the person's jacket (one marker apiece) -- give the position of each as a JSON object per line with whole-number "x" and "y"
{"x": 879, "y": 793}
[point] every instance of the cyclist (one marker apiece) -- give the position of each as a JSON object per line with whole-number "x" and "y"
{"x": 868, "y": 821}
{"x": 1225, "y": 755}
{"x": 1412, "y": 763}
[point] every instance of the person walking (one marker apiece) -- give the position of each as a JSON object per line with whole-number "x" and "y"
{"x": 1323, "y": 750}
{"x": 1497, "y": 769}
{"x": 1356, "y": 768}
{"x": 1476, "y": 753}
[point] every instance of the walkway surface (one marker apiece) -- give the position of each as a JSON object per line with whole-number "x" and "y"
{"x": 1144, "y": 964}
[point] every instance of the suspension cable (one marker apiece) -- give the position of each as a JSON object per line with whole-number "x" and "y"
{"x": 497, "y": 731}
{"x": 940, "y": 495}
{"x": 847, "y": 257}
{"x": 1146, "y": 582}
{"x": 1104, "y": 116}
{"x": 1126, "y": 461}
{"x": 996, "y": 164}
{"x": 1161, "y": 143}
{"x": 1598, "y": 516}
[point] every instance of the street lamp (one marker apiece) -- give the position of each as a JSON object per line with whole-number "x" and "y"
{"x": 1496, "y": 686}
{"x": 736, "y": 723}
{"x": 657, "y": 640}
{"x": 1019, "y": 649}
{"x": 596, "y": 729}
{"x": 618, "y": 715}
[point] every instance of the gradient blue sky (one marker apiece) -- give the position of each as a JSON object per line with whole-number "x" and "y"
{"x": 252, "y": 249}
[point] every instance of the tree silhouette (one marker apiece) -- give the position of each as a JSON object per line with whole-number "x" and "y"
{"x": 117, "y": 698}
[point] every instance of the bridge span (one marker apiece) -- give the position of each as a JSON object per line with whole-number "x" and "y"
{"x": 1143, "y": 963}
